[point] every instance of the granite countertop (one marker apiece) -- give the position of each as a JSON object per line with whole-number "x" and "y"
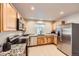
{"x": 16, "y": 50}
{"x": 52, "y": 34}
{"x": 43, "y": 35}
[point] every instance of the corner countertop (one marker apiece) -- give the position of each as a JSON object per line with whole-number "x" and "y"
{"x": 16, "y": 50}
{"x": 35, "y": 35}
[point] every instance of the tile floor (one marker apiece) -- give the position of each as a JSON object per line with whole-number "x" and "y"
{"x": 45, "y": 50}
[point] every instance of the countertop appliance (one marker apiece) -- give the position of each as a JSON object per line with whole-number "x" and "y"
{"x": 6, "y": 46}
{"x": 68, "y": 42}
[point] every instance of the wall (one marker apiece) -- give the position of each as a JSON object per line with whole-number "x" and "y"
{"x": 55, "y": 24}
{"x": 30, "y": 27}
{"x": 74, "y": 18}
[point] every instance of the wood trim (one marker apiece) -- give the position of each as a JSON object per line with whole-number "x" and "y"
{"x": 0, "y": 17}
{"x": 1, "y": 21}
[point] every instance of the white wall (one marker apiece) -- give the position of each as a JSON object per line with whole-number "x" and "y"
{"x": 74, "y": 18}
{"x": 30, "y": 27}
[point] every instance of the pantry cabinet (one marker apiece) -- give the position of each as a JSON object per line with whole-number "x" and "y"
{"x": 8, "y": 17}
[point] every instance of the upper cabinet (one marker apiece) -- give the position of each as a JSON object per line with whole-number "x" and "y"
{"x": 9, "y": 18}
{"x": 0, "y": 17}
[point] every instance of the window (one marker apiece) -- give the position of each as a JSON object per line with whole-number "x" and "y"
{"x": 39, "y": 28}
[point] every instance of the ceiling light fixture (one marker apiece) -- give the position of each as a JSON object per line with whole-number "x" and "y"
{"x": 32, "y": 8}
{"x": 61, "y": 12}
{"x": 40, "y": 22}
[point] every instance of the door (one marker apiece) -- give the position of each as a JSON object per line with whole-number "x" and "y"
{"x": 66, "y": 39}
{"x": 59, "y": 43}
{"x": 64, "y": 42}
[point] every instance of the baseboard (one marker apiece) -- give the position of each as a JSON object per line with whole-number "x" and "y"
{"x": 63, "y": 52}
{"x": 40, "y": 45}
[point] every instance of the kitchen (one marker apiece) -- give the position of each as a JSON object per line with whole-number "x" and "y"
{"x": 25, "y": 26}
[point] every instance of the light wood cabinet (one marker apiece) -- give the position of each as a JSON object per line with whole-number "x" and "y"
{"x": 0, "y": 17}
{"x": 50, "y": 39}
{"x": 40, "y": 40}
{"x": 55, "y": 40}
{"x": 45, "y": 39}
{"x": 8, "y": 17}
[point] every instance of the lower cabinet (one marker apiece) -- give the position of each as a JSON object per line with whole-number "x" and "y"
{"x": 45, "y": 39}
{"x": 55, "y": 39}
{"x": 33, "y": 40}
{"x": 50, "y": 39}
{"x": 41, "y": 40}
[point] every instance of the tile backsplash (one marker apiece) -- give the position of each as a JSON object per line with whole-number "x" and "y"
{"x": 4, "y": 35}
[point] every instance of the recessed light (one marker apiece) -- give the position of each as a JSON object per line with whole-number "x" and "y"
{"x": 32, "y": 8}
{"x": 40, "y": 22}
{"x": 61, "y": 12}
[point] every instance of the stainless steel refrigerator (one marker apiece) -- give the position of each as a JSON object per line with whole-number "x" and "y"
{"x": 68, "y": 42}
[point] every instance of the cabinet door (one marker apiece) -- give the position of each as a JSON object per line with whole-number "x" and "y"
{"x": 55, "y": 39}
{"x": 50, "y": 39}
{"x": 9, "y": 18}
{"x": 33, "y": 40}
{"x": 0, "y": 17}
{"x": 40, "y": 40}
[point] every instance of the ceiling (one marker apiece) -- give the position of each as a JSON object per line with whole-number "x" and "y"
{"x": 46, "y": 11}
